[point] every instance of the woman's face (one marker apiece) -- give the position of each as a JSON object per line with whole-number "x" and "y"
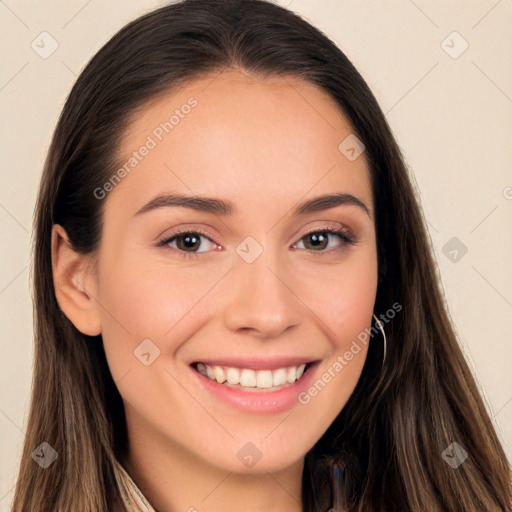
{"x": 244, "y": 292}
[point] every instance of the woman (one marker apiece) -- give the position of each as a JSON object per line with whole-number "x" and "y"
{"x": 301, "y": 358}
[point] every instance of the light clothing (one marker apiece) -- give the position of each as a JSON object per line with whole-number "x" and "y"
{"x": 133, "y": 498}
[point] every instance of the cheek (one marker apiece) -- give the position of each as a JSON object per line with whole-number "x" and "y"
{"x": 143, "y": 298}
{"x": 140, "y": 301}
{"x": 345, "y": 303}
{"x": 346, "y": 311}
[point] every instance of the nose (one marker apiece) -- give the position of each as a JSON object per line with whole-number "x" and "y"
{"x": 261, "y": 299}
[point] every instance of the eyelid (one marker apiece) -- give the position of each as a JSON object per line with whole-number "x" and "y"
{"x": 336, "y": 226}
{"x": 333, "y": 228}
{"x": 164, "y": 240}
{"x": 343, "y": 233}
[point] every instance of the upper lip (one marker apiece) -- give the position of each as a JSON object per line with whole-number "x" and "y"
{"x": 257, "y": 363}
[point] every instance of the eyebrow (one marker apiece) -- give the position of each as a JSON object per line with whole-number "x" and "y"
{"x": 223, "y": 207}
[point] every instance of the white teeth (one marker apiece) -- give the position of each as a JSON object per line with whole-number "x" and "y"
{"x": 248, "y": 378}
{"x": 233, "y": 376}
{"x": 292, "y": 374}
{"x": 279, "y": 377}
{"x": 219, "y": 374}
{"x": 264, "y": 379}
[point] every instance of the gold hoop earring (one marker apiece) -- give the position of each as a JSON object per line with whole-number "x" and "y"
{"x": 378, "y": 322}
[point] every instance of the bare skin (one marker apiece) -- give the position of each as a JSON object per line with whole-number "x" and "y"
{"x": 265, "y": 145}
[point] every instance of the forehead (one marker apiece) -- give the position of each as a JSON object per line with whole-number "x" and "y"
{"x": 233, "y": 134}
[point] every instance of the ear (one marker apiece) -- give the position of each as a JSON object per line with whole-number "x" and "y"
{"x": 74, "y": 284}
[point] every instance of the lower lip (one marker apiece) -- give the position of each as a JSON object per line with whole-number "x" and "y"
{"x": 259, "y": 402}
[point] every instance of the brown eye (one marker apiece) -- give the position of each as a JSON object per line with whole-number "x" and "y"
{"x": 318, "y": 241}
{"x": 188, "y": 242}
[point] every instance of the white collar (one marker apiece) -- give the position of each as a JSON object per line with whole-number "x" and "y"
{"x": 132, "y": 496}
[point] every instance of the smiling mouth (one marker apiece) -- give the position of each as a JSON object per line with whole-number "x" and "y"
{"x": 249, "y": 379}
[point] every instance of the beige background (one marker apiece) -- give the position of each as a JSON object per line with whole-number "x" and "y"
{"x": 451, "y": 116}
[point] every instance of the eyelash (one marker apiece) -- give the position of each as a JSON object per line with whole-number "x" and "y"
{"x": 343, "y": 235}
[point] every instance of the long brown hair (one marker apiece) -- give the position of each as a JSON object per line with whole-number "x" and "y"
{"x": 385, "y": 446}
